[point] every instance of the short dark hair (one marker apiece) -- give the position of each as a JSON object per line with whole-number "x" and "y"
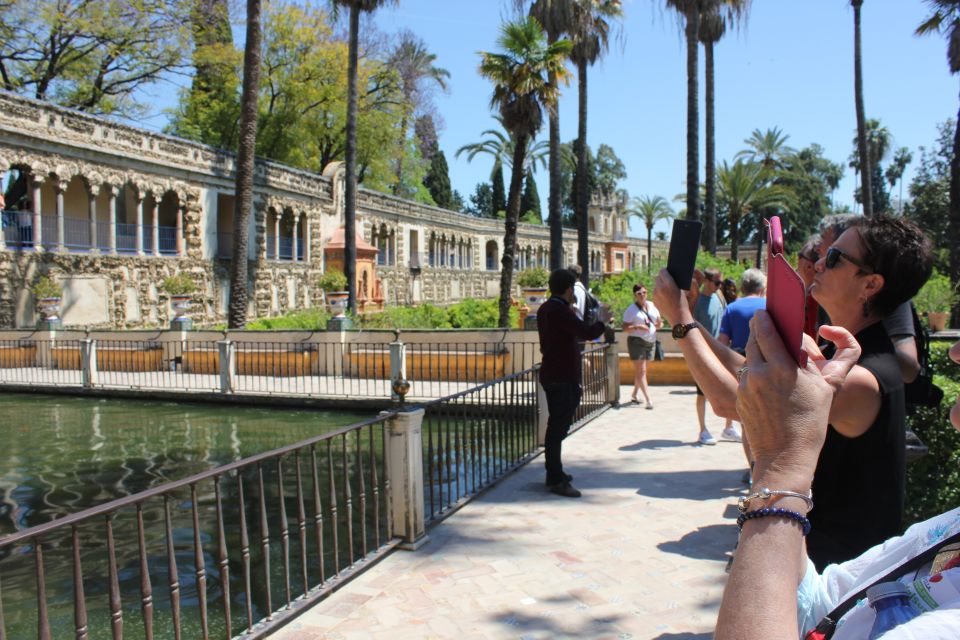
{"x": 638, "y": 286}
{"x": 561, "y": 280}
{"x": 576, "y": 270}
{"x": 900, "y": 252}
{"x": 712, "y": 274}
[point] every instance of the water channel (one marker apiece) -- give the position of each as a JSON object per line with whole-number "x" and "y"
{"x": 63, "y": 454}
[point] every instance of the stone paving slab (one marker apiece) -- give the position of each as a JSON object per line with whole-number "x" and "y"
{"x": 641, "y": 555}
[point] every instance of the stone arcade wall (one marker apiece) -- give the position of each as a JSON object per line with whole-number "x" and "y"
{"x": 71, "y": 159}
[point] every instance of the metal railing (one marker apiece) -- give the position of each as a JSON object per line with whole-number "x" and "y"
{"x": 595, "y": 374}
{"x": 222, "y": 552}
{"x": 81, "y": 235}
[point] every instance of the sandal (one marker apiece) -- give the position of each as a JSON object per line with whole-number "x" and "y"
{"x": 634, "y": 401}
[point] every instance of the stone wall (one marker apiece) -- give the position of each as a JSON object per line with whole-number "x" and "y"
{"x": 134, "y": 178}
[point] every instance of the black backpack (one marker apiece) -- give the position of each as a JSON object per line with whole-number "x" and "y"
{"x": 591, "y": 308}
{"x": 922, "y": 392}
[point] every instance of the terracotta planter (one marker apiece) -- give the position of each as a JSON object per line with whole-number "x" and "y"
{"x": 49, "y": 308}
{"x": 337, "y": 302}
{"x": 534, "y": 297}
{"x": 180, "y": 304}
{"x": 937, "y": 320}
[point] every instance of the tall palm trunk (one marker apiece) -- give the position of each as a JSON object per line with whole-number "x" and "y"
{"x": 711, "y": 169}
{"x": 398, "y": 188}
{"x": 734, "y": 237}
{"x": 953, "y": 224}
{"x": 350, "y": 196}
{"x": 866, "y": 193}
{"x": 246, "y": 149}
{"x": 554, "y": 215}
{"x": 649, "y": 248}
{"x": 583, "y": 227}
{"x": 510, "y": 229}
{"x": 693, "y": 114}
{"x": 761, "y": 230}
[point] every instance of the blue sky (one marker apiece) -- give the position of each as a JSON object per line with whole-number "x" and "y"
{"x": 791, "y": 67}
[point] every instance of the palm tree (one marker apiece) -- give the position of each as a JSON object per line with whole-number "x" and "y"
{"x": 591, "y": 40}
{"x": 500, "y": 145}
{"x": 746, "y": 187}
{"x": 878, "y": 144}
{"x": 865, "y": 167}
{"x": 350, "y": 147}
{"x": 522, "y": 91}
{"x": 769, "y": 149}
{"x": 239, "y": 296}
{"x": 894, "y": 174}
{"x": 650, "y": 210}
{"x": 414, "y": 66}
{"x": 712, "y": 28}
{"x": 945, "y": 19}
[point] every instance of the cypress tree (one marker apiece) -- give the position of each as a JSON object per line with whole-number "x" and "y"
{"x": 437, "y": 181}
{"x": 530, "y": 199}
{"x": 499, "y": 191}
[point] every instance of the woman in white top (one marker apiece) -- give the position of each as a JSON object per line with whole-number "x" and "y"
{"x": 641, "y": 321}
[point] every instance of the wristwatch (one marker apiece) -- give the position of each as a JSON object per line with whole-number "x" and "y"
{"x": 680, "y": 330}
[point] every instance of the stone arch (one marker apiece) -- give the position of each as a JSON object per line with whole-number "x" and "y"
{"x": 492, "y": 252}
{"x": 432, "y": 249}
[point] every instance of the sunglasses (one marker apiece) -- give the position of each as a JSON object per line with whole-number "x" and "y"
{"x": 809, "y": 258}
{"x": 833, "y": 257}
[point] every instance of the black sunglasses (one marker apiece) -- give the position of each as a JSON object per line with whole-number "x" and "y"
{"x": 833, "y": 257}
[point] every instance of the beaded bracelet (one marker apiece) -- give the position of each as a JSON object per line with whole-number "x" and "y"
{"x": 775, "y": 511}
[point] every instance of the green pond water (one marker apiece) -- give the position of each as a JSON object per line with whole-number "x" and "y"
{"x": 59, "y": 455}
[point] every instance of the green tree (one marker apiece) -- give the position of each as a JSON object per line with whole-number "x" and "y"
{"x": 878, "y": 145}
{"x": 521, "y": 92}
{"x": 929, "y": 203}
{"x": 499, "y": 200}
{"x": 414, "y": 65}
{"x": 437, "y": 181}
{"x": 530, "y": 200}
{"x": 894, "y": 173}
{"x": 744, "y": 187}
{"x": 92, "y": 56}
{"x": 591, "y": 38}
{"x": 610, "y": 170}
{"x": 481, "y": 201}
{"x": 650, "y": 210}
{"x": 811, "y": 178}
{"x": 350, "y": 198}
{"x": 866, "y": 177}
{"x": 237, "y": 311}
{"x": 769, "y": 149}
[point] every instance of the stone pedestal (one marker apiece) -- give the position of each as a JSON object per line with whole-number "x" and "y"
{"x": 52, "y": 324}
{"x": 341, "y": 323}
{"x": 181, "y": 324}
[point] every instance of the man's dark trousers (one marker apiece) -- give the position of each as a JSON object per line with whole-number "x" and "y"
{"x": 563, "y": 398}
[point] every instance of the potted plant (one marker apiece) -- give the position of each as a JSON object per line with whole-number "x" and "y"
{"x": 334, "y": 286}
{"x": 180, "y": 288}
{"x": 47, "y": 293}
{"x": 935, "y": 300}
{"x": 533, "y": 285}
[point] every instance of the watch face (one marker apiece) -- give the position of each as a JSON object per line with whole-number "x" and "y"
{"x": 680, "y": 330}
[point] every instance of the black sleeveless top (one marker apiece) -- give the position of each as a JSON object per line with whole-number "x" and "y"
{"x": 858, "y": 487}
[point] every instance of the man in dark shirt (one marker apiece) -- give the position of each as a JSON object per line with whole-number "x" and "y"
{"x": 560, "y": 371}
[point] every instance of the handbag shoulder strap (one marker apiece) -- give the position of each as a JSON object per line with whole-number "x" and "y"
{"x": 826, "y": 626}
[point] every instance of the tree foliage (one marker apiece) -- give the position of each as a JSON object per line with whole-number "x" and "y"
{"x": 929, "y": 203}
{"x": 437, "y": 181}
{"x": 530, "y": 201}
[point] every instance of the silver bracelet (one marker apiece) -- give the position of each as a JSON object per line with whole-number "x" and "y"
{"x": 743, "y": 502}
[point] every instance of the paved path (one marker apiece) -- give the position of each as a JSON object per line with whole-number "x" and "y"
{"x": 641, "y": 555}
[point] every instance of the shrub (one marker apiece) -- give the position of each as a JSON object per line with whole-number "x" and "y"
{"x": 933, "y": 481}
{"x": 534, "y": 277}
{"x": 332, "y": 280}
{"x": 46, "y": 287}
{"x": 180, "y": 284}
{"x": 310, "y": 319}
{"x": 938, "y": 295}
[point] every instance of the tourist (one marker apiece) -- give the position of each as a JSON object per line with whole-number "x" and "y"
{"x": 560, "y": 331}
{"x": 579, "y": 291}
{"x": 806, "y": 260}
{"x": 785, "y": 415}
{"x": 641, "y": 321}
{"x": 729, "y": 291}
{"x": 869, "y": 270}
{"x": 708, "y": 311}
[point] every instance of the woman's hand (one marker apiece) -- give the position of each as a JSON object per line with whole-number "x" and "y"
{"x": 785, "y": 409}
{"x": 669, "y": 299}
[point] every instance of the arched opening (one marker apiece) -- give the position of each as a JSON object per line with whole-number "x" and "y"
{"x": 414, "y": 252}
{"x": 492, "y": 253}
{"x": 18, "y": 208}
{"x": 128, "y": 201}
{"x": 593, "y": 225}
{"x": 432, "y": 250}
{"x": 167, "y": 222}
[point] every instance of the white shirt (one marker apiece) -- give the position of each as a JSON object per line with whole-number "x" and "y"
{"x": 579, "y": 298}
{"x": 819, "y": 594}
{"x": 645, "y": 323}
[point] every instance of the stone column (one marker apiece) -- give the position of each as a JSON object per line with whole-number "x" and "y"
{"x": 37, "y": 218}
{"x": 139, "y": 237}
{"x": 180, "y": 209}
{"x": 307, "y": 237}
{"x": 276, "y": 235}
{"x": 155, "y": 223}
{"x": 398, "y": 365}
{"x": 405, "y": 470}
{"x": 112, "y": 232}
{"x": 613, "y": 374}
{"x": 296, "y": 239}
{"x": 92, "y": 209}
{"x": 59, "y": 188}
{"x": 88, "y": 358}
{"x": 228, "y": 366}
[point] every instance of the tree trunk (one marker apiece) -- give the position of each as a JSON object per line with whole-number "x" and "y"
{"x": 350, "y": 195}
{"x": 760, "y": 232}
{"x": 510, "y": 230}
{"x": 693, "y": 115}
{"x": 583, "y": 226}
{"x": 953, "y": 223}
{"x": 243, "y": 203}
{"x": 398, "y": 188}
{"x": 554, "y": 214}
{"x": 711, "y": 174}
{"x": 866, "y": 193}
{"x": 734, "y": 237}
{"x": 649, "y": 248}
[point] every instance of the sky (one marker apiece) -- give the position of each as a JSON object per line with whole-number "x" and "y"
{"x": 790, "y": 66}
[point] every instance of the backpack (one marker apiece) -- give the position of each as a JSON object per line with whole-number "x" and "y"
{"x": 591, "y": 308}
{"x": 922, "y": 392}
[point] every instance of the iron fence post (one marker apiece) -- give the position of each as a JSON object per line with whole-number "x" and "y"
{"x": 228, "y": 365}
{"x": 398, "y": 366}
{"x": 88, "y": 358}
{"x": 613, "y": 374}
{"x": 405, "y": 471}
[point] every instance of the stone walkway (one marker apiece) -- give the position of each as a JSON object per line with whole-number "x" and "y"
{"x": 641, "y": 555}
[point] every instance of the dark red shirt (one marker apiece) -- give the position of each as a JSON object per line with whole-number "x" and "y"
{"x": 560, "y": 332}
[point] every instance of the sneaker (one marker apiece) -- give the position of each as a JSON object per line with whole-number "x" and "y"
{"x": 566, "y": 476}
{"x": 564, "y": 489}
{"x": 706, "y": 438}
{"x": 731, "y": 433}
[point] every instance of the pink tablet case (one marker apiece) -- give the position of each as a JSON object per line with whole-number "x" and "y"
{"x": 785, "y": 294}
